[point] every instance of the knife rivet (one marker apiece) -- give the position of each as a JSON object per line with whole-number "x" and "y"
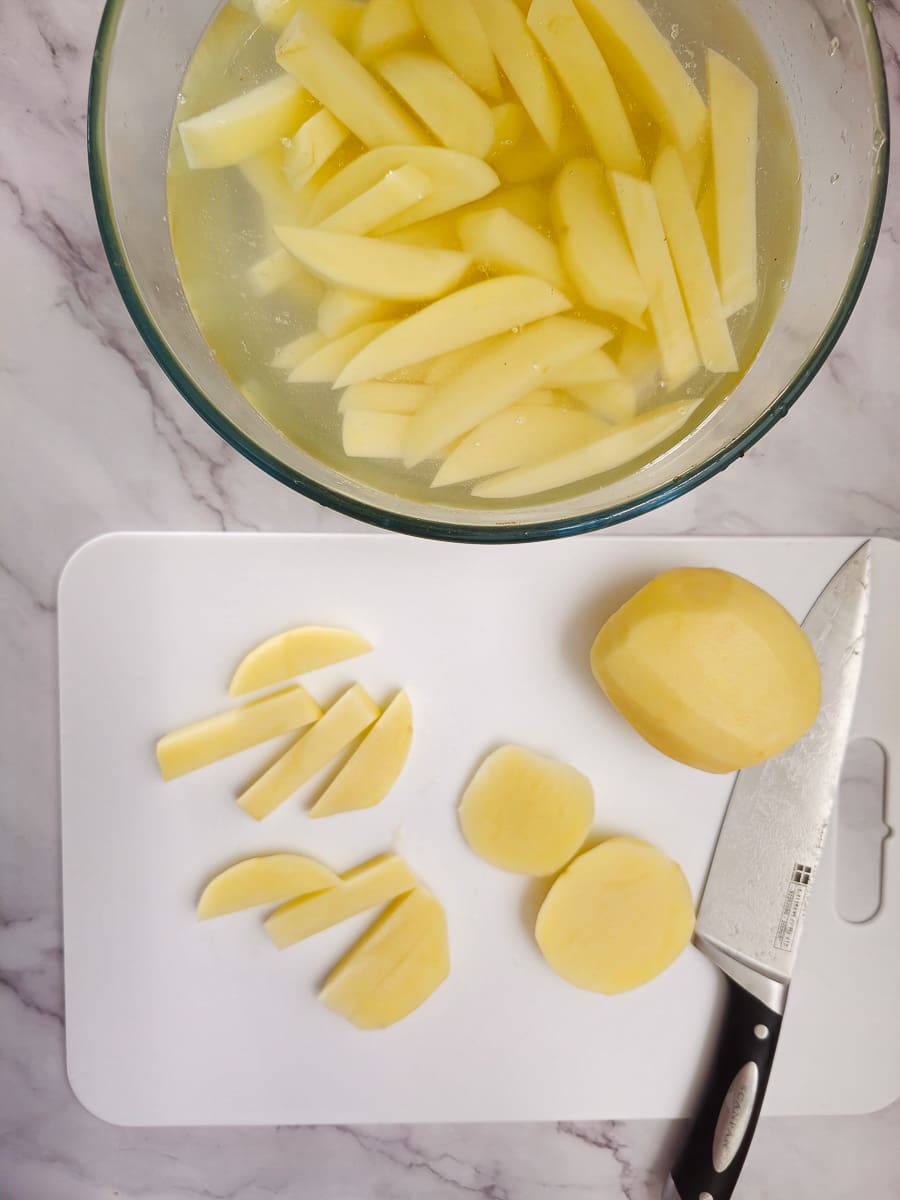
{"x": 704, "y": 1196}
{"x": 762, "y": 1032}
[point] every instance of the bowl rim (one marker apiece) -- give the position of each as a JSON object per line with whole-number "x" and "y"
{"x": 459, "y": 531}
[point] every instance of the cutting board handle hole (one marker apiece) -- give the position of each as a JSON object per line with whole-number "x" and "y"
{"x": 861, "y": 832}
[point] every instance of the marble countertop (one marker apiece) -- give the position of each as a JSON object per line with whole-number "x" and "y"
{"x": 97, "y": 440}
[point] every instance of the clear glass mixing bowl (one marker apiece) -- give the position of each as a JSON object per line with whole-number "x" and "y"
{"x": 827, "y": 58}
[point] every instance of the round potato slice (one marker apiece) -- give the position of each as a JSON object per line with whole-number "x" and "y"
{"x": 617, "y": 917}
{"x": 525, "y": 813}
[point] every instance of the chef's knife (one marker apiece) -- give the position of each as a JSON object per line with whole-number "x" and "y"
{"x": 754, "y": 902}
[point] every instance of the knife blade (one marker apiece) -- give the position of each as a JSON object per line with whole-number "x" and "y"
{"x": 754, "y": 903}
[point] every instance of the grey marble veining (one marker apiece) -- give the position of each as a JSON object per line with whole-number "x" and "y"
{"x": 95, "y": 439}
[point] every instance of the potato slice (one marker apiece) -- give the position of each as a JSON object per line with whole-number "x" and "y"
{"x": 639, "y": 363}
{"x": 386, "y": 25}
{"x": 524, "y": 200}
{"x": 198, "y": 745}
{"x": 326, "y": 364}
{"x": 616, "y": 918}
{"x": 458, "y": 36}
{"x": 614, "y": 401}
{"x": 398, "y": 191}
{"x": 265, "y": 174}
{"x": 314, "y": 143}
{"x": 340, "y": 17}
{"x": 341, "y": 84}
{"x": 510, "y": 126}
{"x": 299, "y": 350}
{"x": 520, "y": 57}
{"x": 525, "y": 813}
{"x": 709, "y": 669}
{"x": 403, "y": 399}
{"x": 506, "y": 369}
{"x": 366, "y": 886}
{"x": 644, "y": 59}
{"x": 468, "y": 316}
{"x": 271, "y": 879}
{"x": 375, "y": 266}
{"x": 610, "y": 451}
{"x": 734, "y": 108}
{"x": 593, "y": 368}
{"x": 296, "y": 652}
{"x": 693, "y": 161}
{"x": 692, "y": 263}
{"x": 458, "y": 179}
{"x": 516, "y": 437}
{"x": 342, "y": 310}
{"x": 374, "y": 434}
{"x": 244, "y": 126}
{"x": 504, "y": 242}
{"x": 583, "y": 73}
{"x": 336, "y": 729}
{"x": 281, "y": 270}
{"x": 456, "y": 115}
{"x": 594, "y": 248}
{"x": 375, "y": 767}
{"x": 395, "y": 967}
{"x": 644, "y": 227}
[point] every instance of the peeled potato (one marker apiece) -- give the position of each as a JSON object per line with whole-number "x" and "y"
{"x": 368, "y": 434}
{"x": 375, "y": 767}
{"x": 245, "y": 126}
{"x": 616, "y": 918}
{"x": 525, "y": 813}
{"x": 385, "y": 25}
{"x": 456, "y": 115}
{"x": 325, "y": 365}
{"x": 270, "y": 879}
{"x": 398, "y": 191}
{"x": 457, "y": 34}
{"x": 505, "y": 242}
{"x": 340, "y": 17}
{"x": 520, "y": 57}
{"x": 709, "y": 669}
{"x": 394, "y": 967}
{"x": 298, "y": 351}
{"x": 314, "y": 143}
{"x": 296, "y": 652}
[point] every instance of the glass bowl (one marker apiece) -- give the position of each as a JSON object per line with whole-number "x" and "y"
{"x": 827, "y": 58}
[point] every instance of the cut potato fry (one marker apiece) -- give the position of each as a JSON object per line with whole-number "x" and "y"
{"x": 296, "y": 352}
{"x": 271, "y": 879}
{"x": 398, "y": 191}
{"x": 335, "y": 730}
{"x": 504, "y": 242}
{"x": 367, "y": 434}
{"x": 644, "y": 227}
{"x": 325, "y": 365}
{"x": 471, "y": 315}
{"x": 516, "y": 437}
{"x": 593, "y": 244}
{"x": 583, "y": 73}
{"x": 375, "y": 767}
{"x": 616, "y": 918}
{"x": 506, "y": 369}
{"x": 609, "y": 452}
{"x": 195, "y": 746}
{"x": 638, "y": 361}
{"x": 308, "y": 51}
{"x": 367, "y": 886}
{"x": 693, "y": 161}
{"x": 525, "y": 813}
{"x": 734, "y": 105}
{"x": 637, "y": 51}
{"x": 281, "y": 270}
{"x": 245, "y": 126}
{"x": 371, "y": 265}
{"x": 596, "y": 367}
{"x": 692, "y": 263}
{"x": 510, "y": 125}
{"x": 524, "y": 200}
{"x": 343, "y": 310}
{"x": 437, "y": 232}
{"x": 456, "y": 115}
{"x": 296, "y": 652}
{"x": 520, "y": 57}
{"x": 402, "y": 399}
{"x": 614, "y": 401}
{"x": 386, "y": 25}
{"x": 458, "y": 179}
{"x": 340, "y": 17}
{"x": 312, "y": 146}
{"x": 458, "y": 36}
{"x": 395, "y": 967}
{"x": 265, "y": 174}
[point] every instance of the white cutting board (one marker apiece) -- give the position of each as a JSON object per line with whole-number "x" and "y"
{"x": 173, "y": 1022}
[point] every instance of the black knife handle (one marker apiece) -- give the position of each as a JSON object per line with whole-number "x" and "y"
{"x": 713, "y": 1155}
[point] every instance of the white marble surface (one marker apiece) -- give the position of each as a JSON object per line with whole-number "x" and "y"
{"x": 96, "y": 440}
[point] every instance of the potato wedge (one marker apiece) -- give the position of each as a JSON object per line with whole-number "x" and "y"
{"x": 647, "y": 238}
{"x": 458, "y": 36}
{"x": 639, "y": 363}
{"x": 456, "y": 115}
{"x": 510, "y": 125}
{"x": 367, "y": 886}
{"x": 506, "y": 369}
{"x": 471, "y": 315}
{"x": 343, "y": 310}
{"x": 297, "y": 351}
{"x": 593, "y": 368}
{"x": 205, "y": 742}
{"x": 385, "y": 26}
{"x": 506, "y": 243}
{"x": 692, "y": 263}
{"x": 437, "y": 232}
{"x": 614, "y": 401}
{"x": 340, "y": 17}
{"x": 296, "y": 652}
{"x": 271, "y": 879}
{"x": 397, "y": 192}
{"x": 375, "y": 266}
{"x": 280, "y": 270}
{"x": 314, "y": 143}
{"x": 520, "y": 57}
{"x": 367, "y": 434}
{"x": 265, "y": 175}
{"x": 375, "y": 767}
{"x": 594, "y": 248}
{"x": 526, "y": 201}
{"x": 395, "y": 967}
{"x": 308, "y": 51}
{"x": 583, "y": 73}
{"x": 403, "y": 399}
{"x": 245, "y": 126}
{"x": 607, "y": 453}
{"x": 638, "y": 52}
{"x": 325, "y": 365}
{"x": 336, "y": 729}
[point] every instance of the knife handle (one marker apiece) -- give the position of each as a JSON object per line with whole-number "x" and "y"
{"x": 713, "y": 1155}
